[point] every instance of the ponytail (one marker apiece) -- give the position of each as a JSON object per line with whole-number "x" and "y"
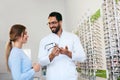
{"x": 8, "y": 49}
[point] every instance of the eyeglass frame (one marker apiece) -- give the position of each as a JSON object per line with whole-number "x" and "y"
{"x": 52, "y": 23}
{"x": 53, "y": 45}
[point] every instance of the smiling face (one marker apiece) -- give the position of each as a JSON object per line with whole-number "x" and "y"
{"x": 54, "y": 25}
{"x": 24, "y": 37}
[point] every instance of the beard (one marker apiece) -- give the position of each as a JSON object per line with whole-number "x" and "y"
{"x": 56, "y": 29}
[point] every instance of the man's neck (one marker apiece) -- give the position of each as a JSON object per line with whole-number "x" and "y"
{"x": 59, "y": 32}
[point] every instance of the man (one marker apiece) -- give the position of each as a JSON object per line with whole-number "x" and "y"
{"x": 59, "y": 51}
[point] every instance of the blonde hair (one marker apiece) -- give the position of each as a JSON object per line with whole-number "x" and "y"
{"x": 15, "y": 32}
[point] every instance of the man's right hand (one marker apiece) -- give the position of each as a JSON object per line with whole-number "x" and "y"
{"x": 55, "y": 52}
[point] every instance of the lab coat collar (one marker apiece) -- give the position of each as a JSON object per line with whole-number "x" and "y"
{"x": 61, "y": 33}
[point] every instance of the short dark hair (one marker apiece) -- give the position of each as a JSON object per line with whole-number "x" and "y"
{"x": 57, "y": 15}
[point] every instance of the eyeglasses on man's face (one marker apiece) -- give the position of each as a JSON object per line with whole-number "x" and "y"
{"x": 52, "y": 23}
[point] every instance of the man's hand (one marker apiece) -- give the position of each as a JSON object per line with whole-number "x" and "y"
{"x": 66, "y": 51}
{"x": 55, "y": 52}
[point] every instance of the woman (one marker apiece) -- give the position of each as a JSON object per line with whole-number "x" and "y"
{"x": 17, "y": 62}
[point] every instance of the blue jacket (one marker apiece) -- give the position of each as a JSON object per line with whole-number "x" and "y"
{"x": 20, "y": 65}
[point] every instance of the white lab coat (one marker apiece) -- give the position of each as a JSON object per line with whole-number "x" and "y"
{"x": 61, "y": 67}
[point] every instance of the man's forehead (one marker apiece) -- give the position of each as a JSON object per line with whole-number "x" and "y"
{"x": 52, "y": 18}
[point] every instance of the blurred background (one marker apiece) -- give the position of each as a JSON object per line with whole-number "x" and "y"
{"x": 96, "y": 22}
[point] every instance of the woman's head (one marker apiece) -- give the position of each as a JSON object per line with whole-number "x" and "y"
{"x": 18, "y": 31}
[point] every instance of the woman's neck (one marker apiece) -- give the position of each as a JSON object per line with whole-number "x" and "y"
{"x": 18, "y": 44}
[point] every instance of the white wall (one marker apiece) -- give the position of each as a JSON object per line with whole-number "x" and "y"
{"x": 75, "y": 9}
{"x": 31, "y": 13}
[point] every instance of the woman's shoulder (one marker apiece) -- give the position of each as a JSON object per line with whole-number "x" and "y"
{"x": 15, "y": 52}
